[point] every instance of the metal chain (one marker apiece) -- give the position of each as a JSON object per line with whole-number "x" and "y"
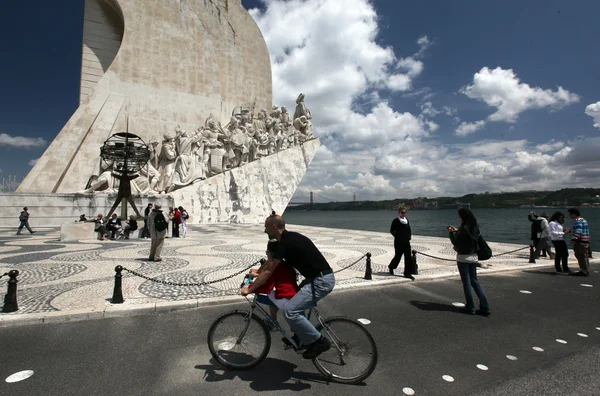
{"x": 454, "y": 260}
{"x": 512, "y": 251}
{"x": 213, "y": 281}
{"x": 190, "y": 284}
{"x": 345, "y": 268}
{"x": 3, "y": 275}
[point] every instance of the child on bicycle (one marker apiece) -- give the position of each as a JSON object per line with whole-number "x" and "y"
{"x": 280, "y": 287}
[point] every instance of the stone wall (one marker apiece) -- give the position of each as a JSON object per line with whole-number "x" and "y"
{"x": 52, "y": 210}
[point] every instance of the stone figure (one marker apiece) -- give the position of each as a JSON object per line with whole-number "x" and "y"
{"x": 166, "y": 162}
{"x": 238, "y": 138}
{"x": 301, "y": 109}
{"x": 304, "y": 127}
{"x": 186, "y": 168}
{"x": 105, "y": 182}
{"x": 154, "y": 152}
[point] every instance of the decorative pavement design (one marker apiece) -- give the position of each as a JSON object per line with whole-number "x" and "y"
{"x": 63, "y": 276}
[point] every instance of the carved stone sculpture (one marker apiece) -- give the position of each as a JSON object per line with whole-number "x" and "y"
{"x": 166, "y": 163}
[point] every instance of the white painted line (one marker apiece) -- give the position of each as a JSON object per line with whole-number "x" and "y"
{"x": 511, "y": 357}
{"x": 582, "y": 335}
{"x": 20, "y": 376}
{"x": 447, "y": 378}
{"x": 408, "y": 391}
{"x": 364, "y": 321}
{"x": 525, "y": 291}
{"x": 561, "y": 341}
{"x": 586, "y": 285}
{"x": 598, "y": 328}
{"x": 458, "y": 304}
{"x": 482, "y": 367}
{"x": 538, "y": 349}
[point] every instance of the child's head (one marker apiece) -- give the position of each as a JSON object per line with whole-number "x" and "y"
{"x": 271, "y": 248}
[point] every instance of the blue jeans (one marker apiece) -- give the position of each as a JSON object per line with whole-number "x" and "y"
{"x": 468, "y": 275}
{"x": 303, "y": 300}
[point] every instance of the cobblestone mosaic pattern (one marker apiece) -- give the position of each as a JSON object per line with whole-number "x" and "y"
{"x": 58, "y": 276}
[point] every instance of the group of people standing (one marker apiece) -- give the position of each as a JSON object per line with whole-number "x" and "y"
{"x": 177, "y": 217}
{"x": 545, "y": 231}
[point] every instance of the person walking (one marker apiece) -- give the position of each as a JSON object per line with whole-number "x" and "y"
{"x": 158, "y": 231}
{"x": 581, "y": 242}
{"x": 401, "y": 231}
{"x": 464, "y": 239}
{"x": 24, "y": 219}
{"x": 184, "y": 217}
{"x": 543, "y": 236}
{"x": 146, "y": 229}
{"x": 557, "y": 235}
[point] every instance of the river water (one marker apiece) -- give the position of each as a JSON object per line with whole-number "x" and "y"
{"x": 497, "y": 225}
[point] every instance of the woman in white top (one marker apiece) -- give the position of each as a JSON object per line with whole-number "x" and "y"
{"x": 557, "y": 235}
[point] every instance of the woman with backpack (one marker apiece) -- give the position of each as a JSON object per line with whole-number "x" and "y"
{"x": 465, "y": 240}
{"x": 184, "y": 217}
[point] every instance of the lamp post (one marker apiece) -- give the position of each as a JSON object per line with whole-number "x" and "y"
{"x": 129, "y": 154}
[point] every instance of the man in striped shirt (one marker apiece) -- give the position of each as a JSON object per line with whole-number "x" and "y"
{"x": 581, "y": 242}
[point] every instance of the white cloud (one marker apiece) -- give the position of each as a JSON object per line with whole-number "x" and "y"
{"x": 551, "y": 146}
{"x": 20, "y": 141}
{"x": 466, "y": 128}
{"x": 502, "y": 89}
{"x": 33, "y": 162}
{"x": 593, "y": 110}
{"x": 331, "y": 51}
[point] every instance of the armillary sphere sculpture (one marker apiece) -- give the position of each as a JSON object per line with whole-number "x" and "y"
{"x": 129, "y": 154}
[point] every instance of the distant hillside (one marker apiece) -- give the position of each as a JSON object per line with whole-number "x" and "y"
{"x": 560, "y": 198}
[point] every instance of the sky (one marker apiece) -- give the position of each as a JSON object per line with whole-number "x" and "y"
{"x": 410, "y": 99}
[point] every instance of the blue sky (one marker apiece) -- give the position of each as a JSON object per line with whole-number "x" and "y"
{"x": 400, "y": 121}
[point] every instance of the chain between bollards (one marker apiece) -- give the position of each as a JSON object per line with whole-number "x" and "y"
{"x": 10, "y": 299}
{"x": 531, "y": 255}
{"x": 368, "y": 269}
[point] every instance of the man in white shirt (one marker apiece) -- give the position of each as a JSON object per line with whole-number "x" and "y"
{"x": 544, "y": 236}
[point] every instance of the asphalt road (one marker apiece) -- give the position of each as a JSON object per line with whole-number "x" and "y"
{"x": 420, "y": 335}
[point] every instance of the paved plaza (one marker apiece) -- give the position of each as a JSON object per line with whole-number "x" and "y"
{"x": 71, "y": 281}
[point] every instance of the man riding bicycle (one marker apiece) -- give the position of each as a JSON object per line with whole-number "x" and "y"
{"x": 301, "y": 253}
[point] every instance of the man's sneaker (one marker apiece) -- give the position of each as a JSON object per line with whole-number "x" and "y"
{"x": 317, "y": 348}
{"x": 562, "y": 273}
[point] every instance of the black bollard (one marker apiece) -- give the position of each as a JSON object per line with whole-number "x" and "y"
{"x": 117, "y": 297}
{"x": 531, "y": 254}
{"x": 10, "y": 300}
{"x": 368, "y": 269}
{"x": 415, "y": 265}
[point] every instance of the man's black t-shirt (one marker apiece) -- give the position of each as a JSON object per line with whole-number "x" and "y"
{"x": 301, "y": 253}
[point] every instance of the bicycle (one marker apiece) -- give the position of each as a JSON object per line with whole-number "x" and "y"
{"x": 234, "y": 348}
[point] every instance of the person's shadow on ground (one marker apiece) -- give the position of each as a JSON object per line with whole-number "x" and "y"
{"x": 433, "y": 306}
{"x": 270, "y": 375}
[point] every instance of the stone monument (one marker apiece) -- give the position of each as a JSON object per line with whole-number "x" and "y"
{"x": 193, "y": 79}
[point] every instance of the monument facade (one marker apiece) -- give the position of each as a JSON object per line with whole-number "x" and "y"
{"x": 192, "y": 78}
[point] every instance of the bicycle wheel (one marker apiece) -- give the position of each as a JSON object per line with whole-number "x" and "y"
{"x": 353, "y": 354}
{"x": 239, "y": 341}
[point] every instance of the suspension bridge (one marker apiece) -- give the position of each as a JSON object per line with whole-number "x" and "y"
{"x": 312, "y": 198}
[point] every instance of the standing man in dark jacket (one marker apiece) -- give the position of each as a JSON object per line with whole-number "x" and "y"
{"x": 400, "y": 229}
{"x": 146, "y": 229}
